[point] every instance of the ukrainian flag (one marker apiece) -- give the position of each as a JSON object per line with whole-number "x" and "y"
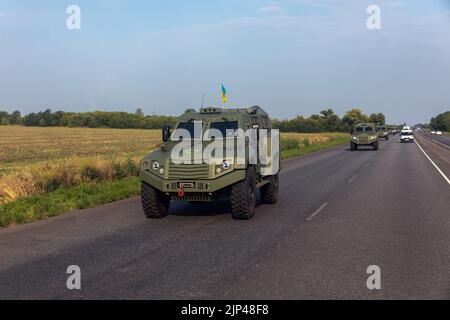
{"x": 224, "y": 94}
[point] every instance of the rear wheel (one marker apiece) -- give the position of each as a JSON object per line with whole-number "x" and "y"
{"x": 269, "y": 193}
{"x": 375, "y": 145}
{"x": 154, "y": 203}
{"x": 243, "y": 197}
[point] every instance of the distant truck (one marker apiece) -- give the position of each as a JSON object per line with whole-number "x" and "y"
{"x": 364, "y": 134}
{"x": 164, "y": 180}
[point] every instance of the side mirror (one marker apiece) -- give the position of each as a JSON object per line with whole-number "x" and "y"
{"x": 165, "y": 133}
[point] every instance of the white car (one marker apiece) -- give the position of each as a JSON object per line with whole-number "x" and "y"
{"x": 439, "y": 133}
{"x": 407, "y": 136}
{"x": 433, "y": 132}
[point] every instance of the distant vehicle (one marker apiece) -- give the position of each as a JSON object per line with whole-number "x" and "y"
{"x": 164, "y": 180}
{"x": 407, "y": 136}
{"x": 439, "y": 133}
{"x": 433, "y": 132}
{"x": 383, "y": 132}
{"x": 364, "y": 134}
{"x": 406, "y": 128}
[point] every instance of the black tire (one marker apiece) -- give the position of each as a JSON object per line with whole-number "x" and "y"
{"x": 353, "y": 146}
{"x": 243, "y": 197}
{"x": 154, "y": 203}
{"x": 375, "y": 145}
{"x": 387, "y": 138}
{"x": 269, "y": 193}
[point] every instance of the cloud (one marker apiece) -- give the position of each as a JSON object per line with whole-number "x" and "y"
{"x": 270, "y": 9}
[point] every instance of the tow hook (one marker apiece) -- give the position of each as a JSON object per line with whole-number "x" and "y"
{"x": 181, "y": 192}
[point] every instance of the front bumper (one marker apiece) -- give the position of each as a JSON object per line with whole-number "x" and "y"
{"x": 197, "y": 186}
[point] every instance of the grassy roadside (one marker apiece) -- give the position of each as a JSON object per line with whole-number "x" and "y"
{"x": 65, "y": 199}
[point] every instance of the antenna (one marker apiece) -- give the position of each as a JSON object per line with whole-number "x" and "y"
{"x": 203, "y": 101}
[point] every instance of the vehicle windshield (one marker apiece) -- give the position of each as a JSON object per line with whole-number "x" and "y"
{"x": 363, "y": 129}
{"x": 406, "y": 133}
{"x": 224, "y": 127}
{"x": 193, "y": 128}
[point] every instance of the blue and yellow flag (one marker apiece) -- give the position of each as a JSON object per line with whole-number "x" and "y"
{"x": 224, "y": 94}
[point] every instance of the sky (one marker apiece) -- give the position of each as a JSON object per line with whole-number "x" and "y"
{"x": 292, "y": 57}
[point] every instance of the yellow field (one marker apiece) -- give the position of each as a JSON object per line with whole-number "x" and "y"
{"x": 40, "y": 160}
{"x": 25, "y": 145}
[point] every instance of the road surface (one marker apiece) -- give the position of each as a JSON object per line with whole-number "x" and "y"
{"x": 339, "y": 212}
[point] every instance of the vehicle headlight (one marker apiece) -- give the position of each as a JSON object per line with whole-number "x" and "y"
{"x": 354, "y": 138}
{"x": 226, "y": 165}
{"x": 155, "y": 165}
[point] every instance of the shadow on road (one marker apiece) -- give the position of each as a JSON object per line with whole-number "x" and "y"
{"x": 214, "y": 208}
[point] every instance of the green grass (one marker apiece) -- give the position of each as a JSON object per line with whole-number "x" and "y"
{"x": 310, "y": 148}
{"x": 63, "y": 200}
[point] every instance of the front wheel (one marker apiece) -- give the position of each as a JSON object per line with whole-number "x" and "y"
{"x": 154, "y": 203}
{"x": 269, "y": 193}
{"x": 353, "y": 146}
{"x": 243, "y": 197}
{"x": 375, "y": 145}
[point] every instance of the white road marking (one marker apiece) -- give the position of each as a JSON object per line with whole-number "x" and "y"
{"x": 353, "y": 178}
{"x": 434, "y": 164}
{"x": 317, "y": 211}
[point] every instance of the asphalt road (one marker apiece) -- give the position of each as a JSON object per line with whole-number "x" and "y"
{"x": 442, "y": 139}
{"x": 388, "y": 208}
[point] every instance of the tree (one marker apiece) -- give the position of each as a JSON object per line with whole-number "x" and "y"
{"x": 377, "y": 118}
{"x": 16, "y": 118}
{"x": 331, "y": 119}
{"x": 4, "y": 118}
{"x": 354, "y": 116}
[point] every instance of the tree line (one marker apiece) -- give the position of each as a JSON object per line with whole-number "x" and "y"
{"x": 441, "y": 122}
{"x": 97, "y": 119}
{"x": 327, "y": 120}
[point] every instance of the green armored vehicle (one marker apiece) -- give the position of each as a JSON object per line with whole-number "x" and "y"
{"x": 383, "y": 132}
{"x": 364, "y": 134}
{"x": 185, "y": 168}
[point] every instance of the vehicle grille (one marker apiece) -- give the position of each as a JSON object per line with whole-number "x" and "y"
{"x": 364, "y": 140}
{"x": 188, "y": 171}
{"x": 193, "y": 197}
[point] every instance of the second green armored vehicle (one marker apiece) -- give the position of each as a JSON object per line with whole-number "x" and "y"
{"x": 364, "y": 134}
{"x": 233, "y": 174}
{"x": 383, "y": 132}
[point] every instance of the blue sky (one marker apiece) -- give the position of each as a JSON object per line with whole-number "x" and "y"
{"x": 293, "y": 57}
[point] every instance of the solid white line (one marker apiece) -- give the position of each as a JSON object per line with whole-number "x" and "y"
{"x": 432, "y": 162}
{"x": 353, "y": 178}
{"x": 317, "y": 211}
